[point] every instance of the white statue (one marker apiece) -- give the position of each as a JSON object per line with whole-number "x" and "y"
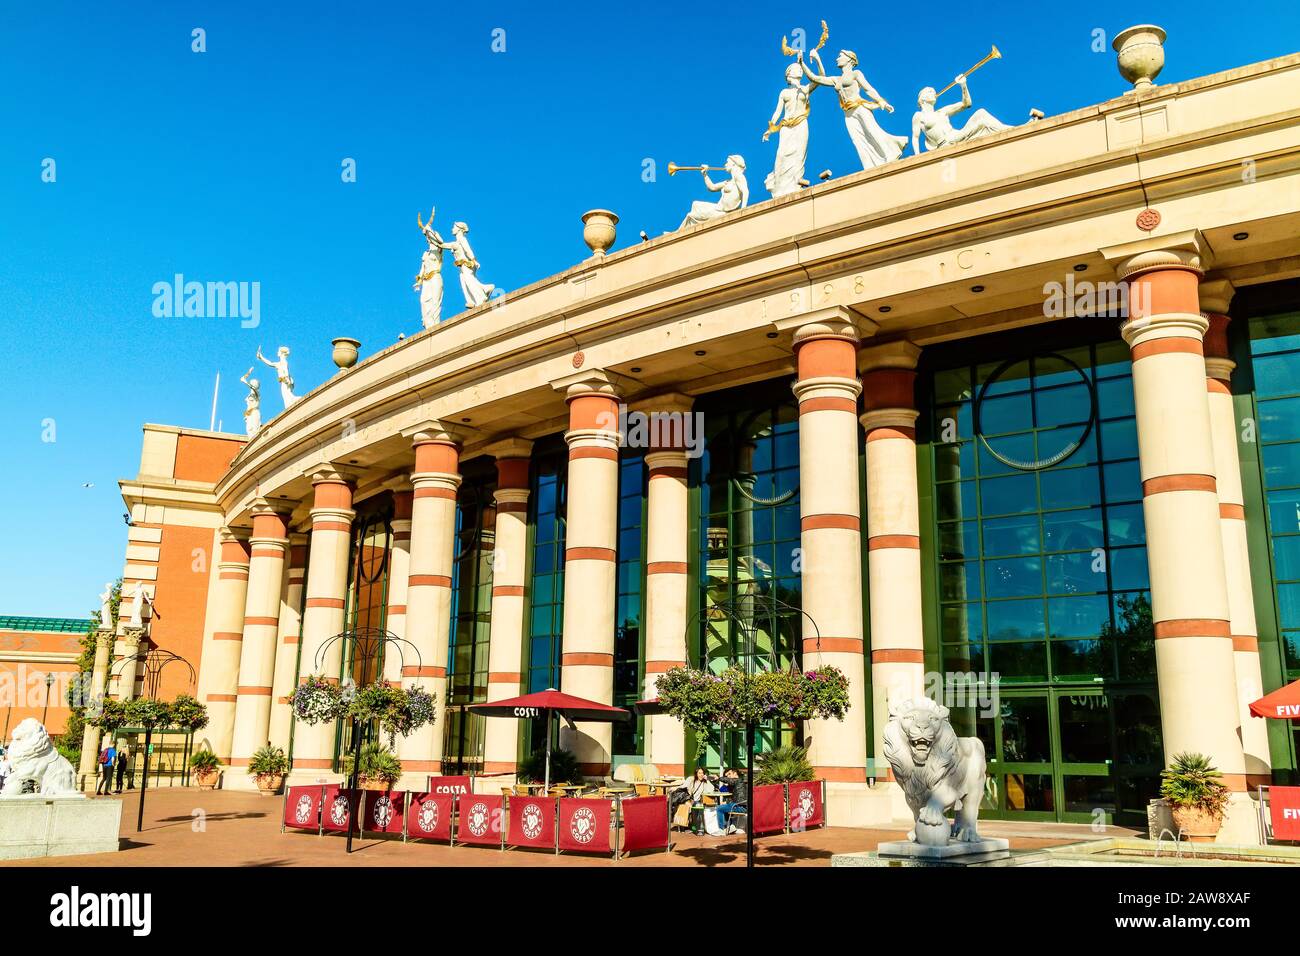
{"x": 735, "y": 193}
{"x": 33, "y": 757}
{"x": 936, "y": 122}
{"x": 857, "y": 99}
{"x": 790, "y": 122}
{"x": 281, "y": 366}
{"x": 252, "y": 404}
{"x": 138, "y": 599}
{"x": 105, "y": 607}
{"x": 428, "y": 281}
{"x": 476, "y": 293}
{"x": 937, "y": 770}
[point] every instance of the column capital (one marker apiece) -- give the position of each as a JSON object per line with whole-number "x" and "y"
{"x": 228, "y": 533}
{"x": 513, "y": 447}
{"x": 270, "y": 506}
{"x": 835, "y": 321}
{"x": 900, "y": 354}
{"x": 1216, "y": 294}
{"x": 1180, "y": 250}
{"x": 593, "y": 381}
{"x": 327, "y": 472}
{"x": 437, "y": 431}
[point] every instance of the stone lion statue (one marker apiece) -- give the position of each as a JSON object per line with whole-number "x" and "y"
{"x": 937, "y": 770}
{"x": 34, "y": 758}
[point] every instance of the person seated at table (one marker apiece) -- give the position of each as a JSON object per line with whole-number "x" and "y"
{"x": 737, "y": 798}
{"x": 693, "y": 790}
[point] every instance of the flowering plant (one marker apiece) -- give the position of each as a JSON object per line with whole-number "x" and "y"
{"x": 702, "y": 700}
{"x": 399, "y": 710}
{"x": 317, "y": 700}
{"x": 188, "y": 713}
{"x": 147, "y": 712}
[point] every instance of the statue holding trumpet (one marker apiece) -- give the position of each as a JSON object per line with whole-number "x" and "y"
{"x": 735, "y": 191}
{"x": 428, "y": 281}
{"x": 935, "y": 122}
{"x": 858, "y": 99}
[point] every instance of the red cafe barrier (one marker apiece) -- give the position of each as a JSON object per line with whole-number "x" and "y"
{"x": 339, "y": 808}
{"x": 481, "y": 820}
{"x": 768, "y": 809}
{"x": 584, "y": 825}
{"x": 806, "y": 805}
{"x": 532, "y": 822}
{"x": 384, "y": 811}
{"x": 645, "y": 824}
{"x": 429, "y": 816}
{"x": 1284, "y": 812}
{"x": 450, "y": 785}
{"x": 302, "y": 807}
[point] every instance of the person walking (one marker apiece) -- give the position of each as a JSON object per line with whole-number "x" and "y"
{"x": 122, "y": 764}
{"x": 106, "y": 758}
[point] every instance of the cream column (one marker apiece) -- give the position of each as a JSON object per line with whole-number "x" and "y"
{"x": 323, "y": 612}
{"x": 399, "y": 570}
{"x": 825, "y": 345}
{"x": 220, "y": 663}
{"x": 290, "y": 633}
{"x": 590, "y": 560}
{"x": 509, "y": 567}
{"x": 893, "y": 534}
{"x": 98, "y": 681}
{"x": 428, "y": 597}
{"x": 666, "y": 597}
{"x": 1189, "y": 593}
{"x": 252, "y": 725}
{"x": 1215, "y": 299}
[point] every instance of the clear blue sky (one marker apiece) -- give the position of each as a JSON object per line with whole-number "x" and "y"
{"x": 225, "y": 166}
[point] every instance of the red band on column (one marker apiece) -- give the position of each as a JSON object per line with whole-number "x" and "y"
{"x": 889, "y": 388}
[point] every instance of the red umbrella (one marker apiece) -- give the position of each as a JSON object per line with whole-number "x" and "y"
{"x": 1283, "y": 703}
{"x": 550, "y": 702}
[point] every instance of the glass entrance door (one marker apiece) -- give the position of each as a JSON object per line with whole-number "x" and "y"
{"x": 1049, "y": 754}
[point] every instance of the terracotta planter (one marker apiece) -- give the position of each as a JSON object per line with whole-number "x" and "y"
{"x": 270, "y": 783}
{"x": 346, "y": 352}
{"x": 1141, "y": 52}
{"x": 1196, "y": 825}
{"x": 207, "y": 779}
{"x": 598, "y": 230}
{"x": 381, "y": 786}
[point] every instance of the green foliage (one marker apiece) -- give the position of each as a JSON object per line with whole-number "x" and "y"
{"x": 1193, "y": 782}
{"x": 112, "y": 715}
{"x": 317, "y": 700}
{"x": 147, "y": 712}
{"x": 71, "y": 751}
{"x": 267, "y": 759}
{"x": 564, "y": 767}
{"x": 399, "y": 710}
{"x": 204, "y": 760}
{"x": 702, "y": 700}
{"x": 78, "y": 692}
{"x": 784, "y": 765}
{"x": 188, "y": 713}
{"x": 377, "y": 763}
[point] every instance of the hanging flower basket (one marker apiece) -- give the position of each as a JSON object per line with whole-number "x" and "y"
{"x": 702, "y": 700}
{"x": 318, "y": 700}
{"x": 399, "y": 710}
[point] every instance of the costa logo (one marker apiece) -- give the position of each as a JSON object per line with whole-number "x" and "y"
{"x": 339, "y": 810}
{"x": 528, "y": 712}
{"x": 383, "y": 811}
{"x": 532, "y": 821}
{"x": 582, "y": 825}
{"x": 807, "y": 805}
{"x": 302, "y": 812}
{"x": 428, "y": 817}
{"x": 478, "y": 819}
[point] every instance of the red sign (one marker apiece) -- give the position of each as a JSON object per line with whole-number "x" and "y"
{"x": 768, "y": 808}
{"x": 339, "y": 808}
{"x": 429, "y": 816}
{"x": 645, "y": 823}
{"x": 532, "y": 822}
{"x": 584, "y": 825}
{"x": 806, "y": 805}
{"x": 1284, "y": 809}
{"x": 481, "y": 820}
{"x": 384, "y": 811}
{"x": 302, "y": 807}
{"x": 450, "y": 785}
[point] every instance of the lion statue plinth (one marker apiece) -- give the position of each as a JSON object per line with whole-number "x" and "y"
{"x": 937, "y": 770}
{"x": 35, "y": 758}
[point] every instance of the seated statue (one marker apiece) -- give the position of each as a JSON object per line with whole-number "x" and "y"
{"x": 34, "y": 758}
{"x": 935, "y": 122}
{"x": 937, "y": 770}
{"x": 735, "y": 194}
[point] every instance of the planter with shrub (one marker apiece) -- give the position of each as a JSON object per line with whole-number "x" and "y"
{"x": 205, "y": 765}
{"x": 380, "y": 767}
{"x": 1193, "y": 788}
{"x": 268, "y": 767}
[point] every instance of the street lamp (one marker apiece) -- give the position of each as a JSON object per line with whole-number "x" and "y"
{"x": 49, "y": 682}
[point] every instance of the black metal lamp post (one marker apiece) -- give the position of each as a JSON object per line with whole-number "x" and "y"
{"x": 49, "y": 682}
{"x": 155, "y": 659}
{"x": 364, "y": 642}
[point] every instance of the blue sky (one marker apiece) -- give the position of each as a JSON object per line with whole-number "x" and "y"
{"x": 226, "y": 166}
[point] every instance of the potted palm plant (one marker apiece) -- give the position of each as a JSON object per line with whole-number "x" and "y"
{"x": 204, "y": 763}
{"x": 267, "y": 766}
{"x": 1191, "y": 785}
{"x": 380, "y": 767}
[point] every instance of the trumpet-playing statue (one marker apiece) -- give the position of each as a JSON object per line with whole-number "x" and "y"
{"x": 857, "y": 99}
{"x": 790, "y": 123}
{"x": 252, "y": 404}
{"x": 935, "y": 122}
{"x": 476, "y": 293}
{"x": 281, "y": 366}
{"x": 735, "y": 193}
{"x": 428, "y": 281}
